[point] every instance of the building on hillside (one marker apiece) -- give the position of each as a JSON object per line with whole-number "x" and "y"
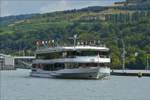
{"x": 120, "y": 3}
{"x": 131, "y": 2}
{"x": 6, "y": 62}
{"x": 137, "y": 1}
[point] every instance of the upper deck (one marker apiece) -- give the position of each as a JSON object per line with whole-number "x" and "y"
{"x": 71, "y": 48}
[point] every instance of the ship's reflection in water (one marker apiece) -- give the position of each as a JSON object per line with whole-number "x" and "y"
{"x": 17, "y": 85}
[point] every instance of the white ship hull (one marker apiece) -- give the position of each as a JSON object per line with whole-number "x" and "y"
{"x": 76, "y": 73}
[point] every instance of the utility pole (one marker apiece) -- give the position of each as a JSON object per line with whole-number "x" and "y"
{"x": 147, "y": 63}
{"x": 123, "y": 55}
{"x": 74, "y": 38}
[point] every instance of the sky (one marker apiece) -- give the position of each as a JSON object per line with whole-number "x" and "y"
{"x": 17, "y": 7}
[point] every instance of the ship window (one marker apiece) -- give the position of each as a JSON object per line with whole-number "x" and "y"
{"x": 72, "y": 54}
{"x": 58, "y": 66}
{"x": 46, "y": 67}
{"x": 33, "y": 65}
{"x": 88, "y": 53}
{"x": 103, "y": 54}
{"x": 82, "y": 53}
{"x": 71, "y": 65}
{"x": 88, "y": 65}
{"x": 54, "y": 55}
{"x": 83, "y": 65}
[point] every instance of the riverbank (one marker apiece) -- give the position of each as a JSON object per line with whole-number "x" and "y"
{"x": 131, "y": 72}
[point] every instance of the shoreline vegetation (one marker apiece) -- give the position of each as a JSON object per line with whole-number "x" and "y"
{"x": 110, "y": 25}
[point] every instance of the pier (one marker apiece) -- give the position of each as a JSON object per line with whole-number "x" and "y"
{"x": 130, "y": 72}
{"x": 24, "y": 62}
{"x": 8, "y": 62}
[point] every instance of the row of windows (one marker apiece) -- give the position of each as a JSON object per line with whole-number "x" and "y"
{"x": 58, "y": 66}
{"x": 71, "y": 54}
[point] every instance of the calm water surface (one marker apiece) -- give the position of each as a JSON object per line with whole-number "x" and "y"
{"x": 17, "y": 85}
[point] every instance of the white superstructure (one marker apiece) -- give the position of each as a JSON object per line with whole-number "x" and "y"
{"x": 72, "y": 62}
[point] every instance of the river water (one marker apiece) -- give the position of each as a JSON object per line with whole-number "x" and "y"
{"x": 17, "y": 85}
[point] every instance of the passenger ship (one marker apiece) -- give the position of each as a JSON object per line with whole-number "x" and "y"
{"x": 78, "y": 61}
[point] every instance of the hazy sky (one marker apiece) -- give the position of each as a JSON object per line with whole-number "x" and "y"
{"x": 16, "y": 7}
